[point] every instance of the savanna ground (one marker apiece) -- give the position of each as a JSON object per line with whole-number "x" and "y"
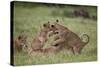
{"x": 29, "y": 17}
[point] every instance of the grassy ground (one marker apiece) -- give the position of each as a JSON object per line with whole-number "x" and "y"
{"x": 29, "y": 17}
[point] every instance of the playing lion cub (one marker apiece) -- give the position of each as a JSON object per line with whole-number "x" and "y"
{"x": 65, "y": 38}
{"x": 39, "y": 41}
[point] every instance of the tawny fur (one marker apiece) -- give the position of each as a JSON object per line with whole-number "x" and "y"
{"x": 20, "y": 41}
{"x": 66, "y": 38}
{"x": 39, "y": 41}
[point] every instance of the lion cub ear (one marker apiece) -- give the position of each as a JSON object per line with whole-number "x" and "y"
{"x": 48, "y": 22}
{"x": 57, "y": 20}
{"x": 44, "y": 25}
{"x": 19, "y": 37}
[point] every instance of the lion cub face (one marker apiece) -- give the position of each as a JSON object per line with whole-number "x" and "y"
{"x": 56, "y": 28}
{"x": 20, "y": 42}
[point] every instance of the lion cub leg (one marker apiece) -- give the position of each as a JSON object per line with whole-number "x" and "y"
{"x": 59, "y": 44}
{"x": 56, "y": 37}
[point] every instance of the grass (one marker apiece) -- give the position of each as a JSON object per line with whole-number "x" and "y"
{"x": 31, "y": 18}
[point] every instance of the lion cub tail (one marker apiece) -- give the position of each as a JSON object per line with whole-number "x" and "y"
{"x": 86, "y": 36}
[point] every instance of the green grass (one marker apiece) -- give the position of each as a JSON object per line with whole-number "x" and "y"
{"x": 31, "y": 18}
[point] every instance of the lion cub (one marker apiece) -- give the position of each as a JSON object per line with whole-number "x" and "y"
{"x": 38, "y": 42}
{"x": 67, "y": 39}
{"x": 20, "y": 42}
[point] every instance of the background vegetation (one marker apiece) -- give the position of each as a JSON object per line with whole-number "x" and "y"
{"x": 30, "y": 16}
